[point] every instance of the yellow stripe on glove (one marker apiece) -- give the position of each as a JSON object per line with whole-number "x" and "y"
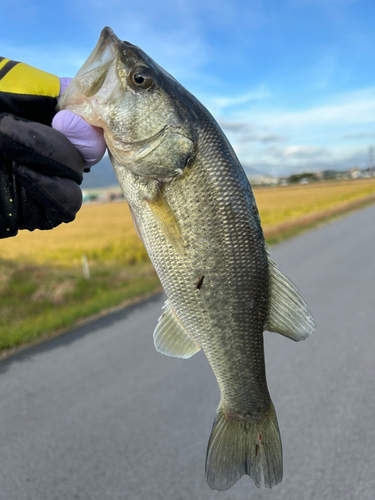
{"x": 21, "y": 78}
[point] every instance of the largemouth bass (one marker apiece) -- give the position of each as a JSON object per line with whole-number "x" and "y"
{"x": 194, "y": 209}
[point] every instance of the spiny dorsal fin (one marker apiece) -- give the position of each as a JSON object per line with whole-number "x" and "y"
{"x": 170, "y": 338}
{"x": 288, "y": 313}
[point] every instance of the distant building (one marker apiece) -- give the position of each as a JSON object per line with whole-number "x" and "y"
{"x": 263, "y": 180}
{"x": 355, "y": 172}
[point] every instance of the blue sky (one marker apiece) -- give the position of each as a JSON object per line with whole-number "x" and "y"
{"x": 292, "y": 82}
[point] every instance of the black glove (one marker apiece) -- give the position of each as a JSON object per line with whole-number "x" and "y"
{"x": 40, "y": 170}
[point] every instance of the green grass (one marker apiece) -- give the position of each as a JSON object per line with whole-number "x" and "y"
{"x": 37, "y": 301}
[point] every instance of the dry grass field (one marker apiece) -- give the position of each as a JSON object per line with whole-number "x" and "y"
{"x": 289, "y": 203}
{"x": 105, "y": 232}
{"x": 102, "y": 232}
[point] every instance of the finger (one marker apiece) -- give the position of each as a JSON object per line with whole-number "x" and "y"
{"x": 61, "y": 197}
{"x": 64, "y": 84}
{"x": 87, "y": 139}
{"x": 39, "y": 147}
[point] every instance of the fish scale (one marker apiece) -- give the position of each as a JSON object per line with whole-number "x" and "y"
{"x": 238, "y": 268}
{"x": 194, "y": 209}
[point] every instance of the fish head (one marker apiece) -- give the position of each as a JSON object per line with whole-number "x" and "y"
{"x": 146, "y": 115}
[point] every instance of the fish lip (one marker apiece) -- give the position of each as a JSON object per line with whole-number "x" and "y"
{"x": 107, "y": 33}
{"x": 133, "y": 154}
{"x": 144, "y": 147}
{"x": 61, "y": 106}
{"x": 134, "y": 151}
{"x": 134, "y": 145}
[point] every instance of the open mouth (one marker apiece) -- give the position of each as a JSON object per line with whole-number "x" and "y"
{"x": 92, "y": 75}
{"x": 103, "y": 54}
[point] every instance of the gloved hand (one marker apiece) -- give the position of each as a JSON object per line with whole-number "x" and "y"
{"x": 40, "y": 169}
{"x": 87, "y": 139}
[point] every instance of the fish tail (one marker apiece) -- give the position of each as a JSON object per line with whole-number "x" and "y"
{"x": 241, "y": 445}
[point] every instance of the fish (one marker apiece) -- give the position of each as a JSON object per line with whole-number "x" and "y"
{"x": 194, "y": 209}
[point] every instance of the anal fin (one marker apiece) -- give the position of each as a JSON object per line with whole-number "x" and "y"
{"x": 288, "y": 313}
{"x": 170, "y": 337}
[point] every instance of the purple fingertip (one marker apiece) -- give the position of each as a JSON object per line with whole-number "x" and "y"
{"x": 87, "y": 139}
{"x": 64, "y": 84}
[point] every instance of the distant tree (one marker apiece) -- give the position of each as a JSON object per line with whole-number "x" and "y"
{"x": 329, "y": 174}
{"x": 308, "y": 176}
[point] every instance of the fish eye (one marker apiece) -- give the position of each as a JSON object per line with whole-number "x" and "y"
{"x": 141, "y": 78}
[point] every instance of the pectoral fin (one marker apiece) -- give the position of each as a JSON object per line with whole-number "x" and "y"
{"x": 288, "y": 313}
{"x": 166, "y": 221}
{"x": 170, "y": 337}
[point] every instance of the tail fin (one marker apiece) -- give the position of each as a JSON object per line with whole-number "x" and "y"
{"x": 239, "y": 445}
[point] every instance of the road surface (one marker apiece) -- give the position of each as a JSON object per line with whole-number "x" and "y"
{"x": 98, "y": 414}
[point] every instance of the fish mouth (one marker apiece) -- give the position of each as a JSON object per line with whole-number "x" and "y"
{"x": 92, "y": 75}
{"x": 95, "y": 69}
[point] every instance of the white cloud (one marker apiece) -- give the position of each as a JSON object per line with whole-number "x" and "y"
{"x": 254, "y": 95}
{"x": 360, "y": 135}
{"x": 315, "y": 138}
{"x": 301, "y": 151}
{"x": 352, "y": 109}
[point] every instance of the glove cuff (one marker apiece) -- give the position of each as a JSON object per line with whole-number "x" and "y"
{"x": 28, "y": 92}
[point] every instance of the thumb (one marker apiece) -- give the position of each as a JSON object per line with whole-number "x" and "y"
{"x": 87, "y": 139}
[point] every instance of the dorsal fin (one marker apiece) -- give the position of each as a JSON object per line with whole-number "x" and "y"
{"x": 170, "y": 337}
{"x": 288, "y": 313}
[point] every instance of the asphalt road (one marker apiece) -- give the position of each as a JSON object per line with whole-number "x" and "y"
{"x": 99, "y": 414}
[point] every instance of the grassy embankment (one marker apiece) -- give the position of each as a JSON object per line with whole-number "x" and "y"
{"x": 42, "y": 288}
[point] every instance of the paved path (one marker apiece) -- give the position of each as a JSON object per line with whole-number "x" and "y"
{"x": 99, "y": 414}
